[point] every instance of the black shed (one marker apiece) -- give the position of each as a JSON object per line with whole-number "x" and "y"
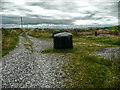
{"x": 63, "y": 41}
{"x": 55, "y": 32}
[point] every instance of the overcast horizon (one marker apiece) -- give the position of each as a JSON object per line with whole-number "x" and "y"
{"x": 58, "y": 13}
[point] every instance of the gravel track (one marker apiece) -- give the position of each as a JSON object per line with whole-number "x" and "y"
{"x": 22, "y": 68}
{"x": 0, "y": 74}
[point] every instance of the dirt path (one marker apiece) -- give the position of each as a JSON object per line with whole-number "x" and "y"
{"x": 23, "y": 68}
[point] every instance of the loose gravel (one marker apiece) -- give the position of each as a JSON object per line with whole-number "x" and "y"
{"x": 23, "y": 68}
{"x": 0, "y": 74}
{"x": 109, "y": 53}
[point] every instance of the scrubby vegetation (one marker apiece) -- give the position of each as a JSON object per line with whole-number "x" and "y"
{"x": 10, "y": 38}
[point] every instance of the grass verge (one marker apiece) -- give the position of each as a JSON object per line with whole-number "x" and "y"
{"x": 10, "y": 38}
{"x": 0, "y": 43}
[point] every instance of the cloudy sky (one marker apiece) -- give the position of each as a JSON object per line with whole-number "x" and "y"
{"x": 59, "y": 13}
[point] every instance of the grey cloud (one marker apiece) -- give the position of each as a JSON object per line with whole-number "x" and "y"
{"x": 23, "y": 9}
{"x": 29, "y": 20}
{"x": 110, "y": 8}
{"x": 9, "y": 20}
{"x": 6, "y": 5}
{"x": 37, "y": 16}
{"x": 65, "y": 6}
{"x": 11, "y": 7}
{"x": 47, "y": 21}
{"x": 88, "y": 17}
{"x": 104, "y": 9}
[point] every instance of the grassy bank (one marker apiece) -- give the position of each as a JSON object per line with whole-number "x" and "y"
{"x": 87, "y": 70}
{"x": 10, "y": 39}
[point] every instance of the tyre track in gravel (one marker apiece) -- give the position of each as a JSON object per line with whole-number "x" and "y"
{"x": 22, "y": 68}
